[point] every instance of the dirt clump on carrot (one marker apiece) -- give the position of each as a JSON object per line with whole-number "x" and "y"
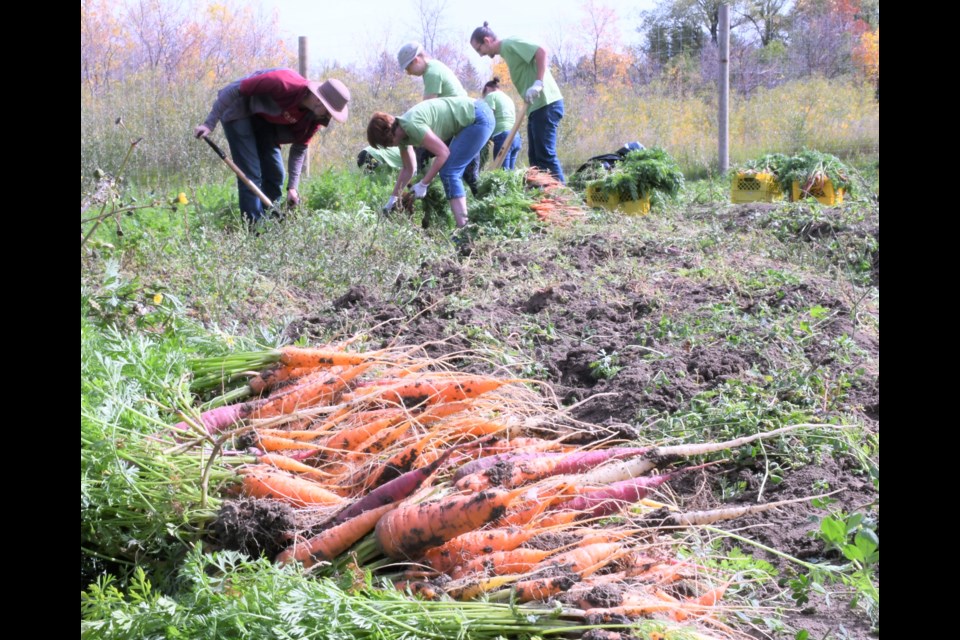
{"x": 605, "y": 595}
{"x": 551, "y": 540}
{"x": 499, "y": 473}
{"x": 253, "y": 526}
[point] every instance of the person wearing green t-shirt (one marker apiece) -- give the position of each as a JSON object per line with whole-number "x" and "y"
{"x": 439, "y": 81}
{"x": 530, "y": 72}
{"x": 466, "y": 122}
{"x": 505, "y": 115}
{"x": 373, "y": 159}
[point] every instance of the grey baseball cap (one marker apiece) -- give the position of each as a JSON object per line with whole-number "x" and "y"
{"x": 407, "y": 53}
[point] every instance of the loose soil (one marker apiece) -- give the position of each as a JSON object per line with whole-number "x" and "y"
{"x": 615, "y": 321}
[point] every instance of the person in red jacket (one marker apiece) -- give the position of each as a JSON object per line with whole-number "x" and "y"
{"x": 263, "y": 111}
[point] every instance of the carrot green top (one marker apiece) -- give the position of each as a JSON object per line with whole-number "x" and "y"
{"x": 446, "y": 117}
{"x": 503, "y": 110}
{"x": 518, "y": 54}
{"x": 439, "y": 79}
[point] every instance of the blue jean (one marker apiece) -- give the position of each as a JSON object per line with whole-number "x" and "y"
{"x": 464, "y": 148}
{"x": 254, "y": 149}
{"x": 510, "y": 160}
{"x": 542, "y": 126}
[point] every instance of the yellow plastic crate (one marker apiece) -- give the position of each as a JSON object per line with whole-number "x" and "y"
{"x": 596, "y": 198}
{"x": 754, "y": 187}
{"x": 822, "y": 190}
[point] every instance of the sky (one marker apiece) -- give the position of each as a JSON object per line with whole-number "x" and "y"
{"x": 344, "y": 30}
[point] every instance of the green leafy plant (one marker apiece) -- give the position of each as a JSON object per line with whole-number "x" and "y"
{"x": 854, "y": 537}
{"x": 502, "y": 207}
{"x": 643, "y": 172}
{"x": 807, "y": 168}
{"x": 606, "y": 366}
{"x": 226, "y": 595}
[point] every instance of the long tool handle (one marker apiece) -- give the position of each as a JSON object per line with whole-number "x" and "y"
{"x": 498, "y": 161}
{"x": 243, "y": 178}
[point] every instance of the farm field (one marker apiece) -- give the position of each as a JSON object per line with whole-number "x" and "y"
{"x": 701, "y": 322}
{"x": 636, "y": 401}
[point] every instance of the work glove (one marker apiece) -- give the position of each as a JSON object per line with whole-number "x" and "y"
{"x": 533, "y": 92}
{"x": 391, "y": 203}
{"x": 420, "y": 190}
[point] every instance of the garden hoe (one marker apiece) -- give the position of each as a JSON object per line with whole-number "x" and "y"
{"x": 244, "y": 179}
{"x": 498, "y": 161}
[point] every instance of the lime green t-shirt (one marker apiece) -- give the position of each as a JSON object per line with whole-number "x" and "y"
{"x": 503, "y": 110}
{"x": 446, "y": 117}
{"x": 518, "y": 54}
{"x": 387, "y": 156}
{"x": 439, "y": 79}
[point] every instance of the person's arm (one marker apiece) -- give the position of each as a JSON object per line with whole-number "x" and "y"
{"x": 434, "y": 145}
{"x": 298, "y": 153}
{"x": 430, "y": 96}
{"x": 540, "y": 60}
{"x": 226, "y": 97}
{"x": 406, "y": 173}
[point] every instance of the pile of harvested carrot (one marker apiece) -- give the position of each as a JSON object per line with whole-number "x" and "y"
{"x": 558, "y": 205}
{"x": 429, "y": 476}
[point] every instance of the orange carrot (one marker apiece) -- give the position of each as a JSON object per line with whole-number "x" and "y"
{"x": 586, "y": 559}
{"x": 398, "y": 463}
{"x": 295, "y": 357}
{"x": 470, "y": 588}
{"x": 412, "y": 528}
{"x": 434, "y": 391}
{"x": 292, "y": 434}
{"x": 501, "y": 563}
{"x": 265, "y": 483}
{"x": 543, "y": 588}
{"x": 379, "y": 441}
{"x": 272, "y": 443}
{"x": 331, "y": 542}
{"x": 315, "y": 389}
{"x": 632, "y": 607}
{"x": 351, "y": 439}
{"x": 699, "y": 606}
{"x": 474, "y": 543}
{"x": 294, "y": 466}
{"x": 275, "y": 376}
{"x": 425, "y": 590}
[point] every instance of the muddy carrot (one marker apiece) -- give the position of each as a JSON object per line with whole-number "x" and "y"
{"x": 410, "y": 529}
{"x": 295, "y": 357}
{"x": 331, "y": 542}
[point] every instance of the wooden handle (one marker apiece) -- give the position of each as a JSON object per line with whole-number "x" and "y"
{"x": 243, "y": 178}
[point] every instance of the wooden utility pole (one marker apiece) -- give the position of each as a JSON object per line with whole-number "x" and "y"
{"x": 723, "y": 117}
{"x": 303, "y": 56}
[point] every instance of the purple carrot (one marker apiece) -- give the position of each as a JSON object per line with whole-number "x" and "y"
{"x": 610, "y": 499}
{"x": 613, "y": 497}
{"x": 216, "y": 420}
{"x": 485, "y": 463}
{"x": 394, "y": 491}
{"x": 522, "y": 468}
